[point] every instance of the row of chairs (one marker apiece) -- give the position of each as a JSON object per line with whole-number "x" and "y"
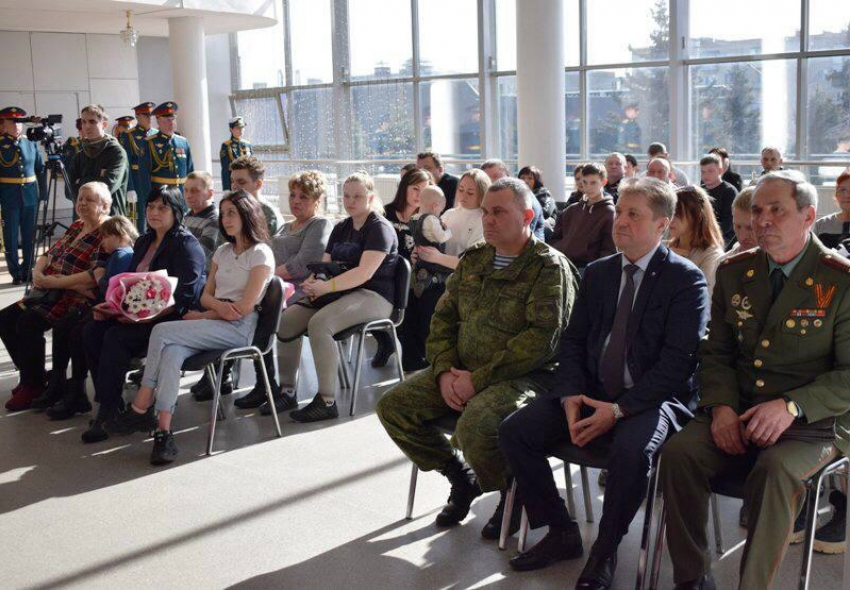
{"x": 270, "y": 311}
{"x": 731, "y": 485}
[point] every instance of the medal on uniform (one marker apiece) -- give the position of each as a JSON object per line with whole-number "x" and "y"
{"x": 743, "y": 314}
{"x": 807, "y": 313}
{"x": 745, "y": 304}
{"x": 736, "y": 300}
{"x": 824, "y": 296}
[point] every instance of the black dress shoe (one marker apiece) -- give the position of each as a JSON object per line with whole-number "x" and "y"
{"x": 17, "y": 281}
{"x": 164, "y": 448}
{"x": 204, "y": 393}
{"x": 493, "y": 529}
{"x": 283, "y": 402}
{"x": 96, "y": 432}
{"x": 557, "y": 545}
{"x": 385, "y": 349}
{"x": 705, "y": 582}
{"x": 598, "y": 572}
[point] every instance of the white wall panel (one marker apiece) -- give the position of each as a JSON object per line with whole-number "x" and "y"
{"x": 24, "y": 100}
{"x": 109, "y": 57}
{"x": 67, "y": 104}
{"x": 114, "y": 92}
{"x": 16, "y": 62}
{"x": 59, "y": 61}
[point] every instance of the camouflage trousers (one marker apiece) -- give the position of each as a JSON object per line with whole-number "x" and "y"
{"x": 406, "y": 410}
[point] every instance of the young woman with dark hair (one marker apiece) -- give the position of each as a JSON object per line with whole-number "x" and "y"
{"x": 695, "y": 233}
{"x": 239, "y": 273}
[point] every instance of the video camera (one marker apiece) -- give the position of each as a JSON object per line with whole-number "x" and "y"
{"x": 45, "y": 131}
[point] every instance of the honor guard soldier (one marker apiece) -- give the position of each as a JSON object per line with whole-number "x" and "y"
{"x": 166, "y": 159}
{"x": 73, "y": 145}
{"x": 233, "y": 149}
{"x": 134, "y": 143}
{"x": 21, "y": 184}
{"x": 122, "y": 126}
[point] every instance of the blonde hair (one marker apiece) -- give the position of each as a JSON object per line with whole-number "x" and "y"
{"x": 120, "y": 227}
{"x": 481, "y": 180}
{"x": 100, "y": 189}
{"x": 311, "y": 182}
{"x": 204, "y": 177}
{"x": 363, "y": 177}
{"x": 744, "y": 200}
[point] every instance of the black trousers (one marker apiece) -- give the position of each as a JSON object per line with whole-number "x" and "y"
{"x": 22, "y": 332}
{"x": 110, "y": 346}
{"x": 68, "y": 346}
{"x": 527, "y": 435}
{"x": 414, "y": 330}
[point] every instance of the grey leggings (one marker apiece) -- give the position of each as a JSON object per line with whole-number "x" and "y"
{"x": 358, "y": 307}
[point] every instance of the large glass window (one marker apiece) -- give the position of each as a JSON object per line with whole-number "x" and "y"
{"x": 262, "y": 117}
{"x": 627, "y": 32}
{"x": 312, "y": 125}
{"x": 508, "y": 146}
{"x": 378, "y": 50}
{"x": 829, "y": 24}
{"x": 829, "y": 108}
{"x": 451, "y": 117}
{"x": 744, "y": 107}
{"x": 261, "y": 56}
{"x": 312, "y": 47}
{"x": 382, "y": 126}
{"x": 572, "y": 100}
{"x": 627, "y": 109}
{"x": 721, "y": 28}
{"x": 448, "y": 36}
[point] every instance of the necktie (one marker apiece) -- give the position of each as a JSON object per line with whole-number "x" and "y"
{"x": 777, "y": 281}
{"x": 613, "y": 363}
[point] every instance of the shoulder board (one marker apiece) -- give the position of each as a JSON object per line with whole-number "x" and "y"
{"x": 227, "y": 142}
{"x": 745, "y": 255}
{"x": 836, "y": 261}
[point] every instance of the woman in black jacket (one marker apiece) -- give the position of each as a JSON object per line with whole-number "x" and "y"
{"x": 112, "y": 343}
{"x": 532, "y": 177}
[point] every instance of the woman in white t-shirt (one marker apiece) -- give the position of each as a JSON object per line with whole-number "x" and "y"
{"x": 240, "y": 272}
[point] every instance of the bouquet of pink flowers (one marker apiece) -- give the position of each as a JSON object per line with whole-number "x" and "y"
{"x": 141, "y": 295}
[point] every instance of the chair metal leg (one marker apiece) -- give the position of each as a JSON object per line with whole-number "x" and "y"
{"x": 210, "y": 372}
{"x": 523, "y": 530}
{"x": 397, "y": 347}
{"x": 646, "y": 537}
{"x": 344, "y": 380}
{"x": 811, "y": 507}
{"x": 506, "y": 516}
{"x": 269, "y": 395}
{"x": 658, "y": 552}
{"x": 215, "y": 407}
{"x": 351, "y": 348}
{"x": 718, "y": 531}
{"x": 357, "y": 370}
{"x": 571, "y": 500}
{"x": 414, "y": 474}
{"x": 847, "y": 529}
{"x": 588, "y": 501}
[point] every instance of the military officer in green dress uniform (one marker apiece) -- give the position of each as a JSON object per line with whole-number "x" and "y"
{"x": 134, "y": 143}
{"x": 496, "y": 327}
{"x": 775, "y": 387}
{"x": 21, "y": 186}
{"x": 122, "y": 126}
{"x": 166, "y": 159}
{"x": 232, "y": 149}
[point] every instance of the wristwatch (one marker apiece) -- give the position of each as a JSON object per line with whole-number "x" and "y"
{"x": 792, "y": 408}
{"x": 618, "y": 413}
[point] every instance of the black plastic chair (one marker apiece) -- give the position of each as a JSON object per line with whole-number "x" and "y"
{"x": 733, "y": 486}
{"x": 270, "y": 309}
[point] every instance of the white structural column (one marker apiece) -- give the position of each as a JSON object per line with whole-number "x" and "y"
{"x": 189, "y": 73}
{"x": 540, "y": 90}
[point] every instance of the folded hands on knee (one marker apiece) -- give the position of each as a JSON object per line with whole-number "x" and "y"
{"x": 761, "y": 425}
{"x": 456, "y": 388}
{"x": 583, "y": 431}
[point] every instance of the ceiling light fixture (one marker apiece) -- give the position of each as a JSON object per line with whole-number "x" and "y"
{"x": 129, "y": 35}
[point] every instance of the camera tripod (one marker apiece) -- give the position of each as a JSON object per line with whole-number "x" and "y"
{"x": 45, "y": 215}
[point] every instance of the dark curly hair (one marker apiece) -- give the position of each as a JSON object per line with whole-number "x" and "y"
{"x": 171, "y": 196}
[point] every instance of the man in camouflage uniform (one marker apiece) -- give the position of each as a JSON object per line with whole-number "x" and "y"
{"x": 498, "y": 324}
{"x": 775, "y": 387}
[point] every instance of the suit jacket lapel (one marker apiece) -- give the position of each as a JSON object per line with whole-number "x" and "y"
{"x": 647, "y": 283}
{"x": 612, "y": 294}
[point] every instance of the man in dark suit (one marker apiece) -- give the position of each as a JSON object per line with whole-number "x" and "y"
{"x": 624, "y": 382}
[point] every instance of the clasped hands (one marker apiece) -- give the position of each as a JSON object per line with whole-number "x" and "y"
{"x": 583, "y": 431}
{"x": 456, "y": 388}
{"x": 315, "y": 288}
{"x": 761, "y": 425}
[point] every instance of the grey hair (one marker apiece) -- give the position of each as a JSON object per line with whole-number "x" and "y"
{"x": 101, "y": 190}
{"x": 496, "y": 163}
{"x": 804, "y": 193}
{"x": 522, "y": 194}
{"x": 660, "y": 196}
{"x": 617, "y": 155}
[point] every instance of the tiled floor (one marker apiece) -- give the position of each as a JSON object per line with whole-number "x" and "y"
{"x": 320, "y": 508}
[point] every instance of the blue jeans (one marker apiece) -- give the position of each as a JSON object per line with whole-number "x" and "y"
{"x": 171, "y": 343}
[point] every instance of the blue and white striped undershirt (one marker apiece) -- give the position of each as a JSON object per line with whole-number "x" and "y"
{"x": 500, "y": 261}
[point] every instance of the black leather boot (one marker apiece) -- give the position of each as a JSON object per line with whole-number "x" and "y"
{"x": 53, "y": 393}
{"x": 464, "y": 491}
{"x": 75, "y": 401}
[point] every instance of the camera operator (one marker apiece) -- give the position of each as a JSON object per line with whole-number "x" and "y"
{"x": 101, "y": 159}
{"x": 21, "y": 184}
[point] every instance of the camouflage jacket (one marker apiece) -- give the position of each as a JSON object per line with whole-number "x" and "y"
{"x": 502, "y": 324}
